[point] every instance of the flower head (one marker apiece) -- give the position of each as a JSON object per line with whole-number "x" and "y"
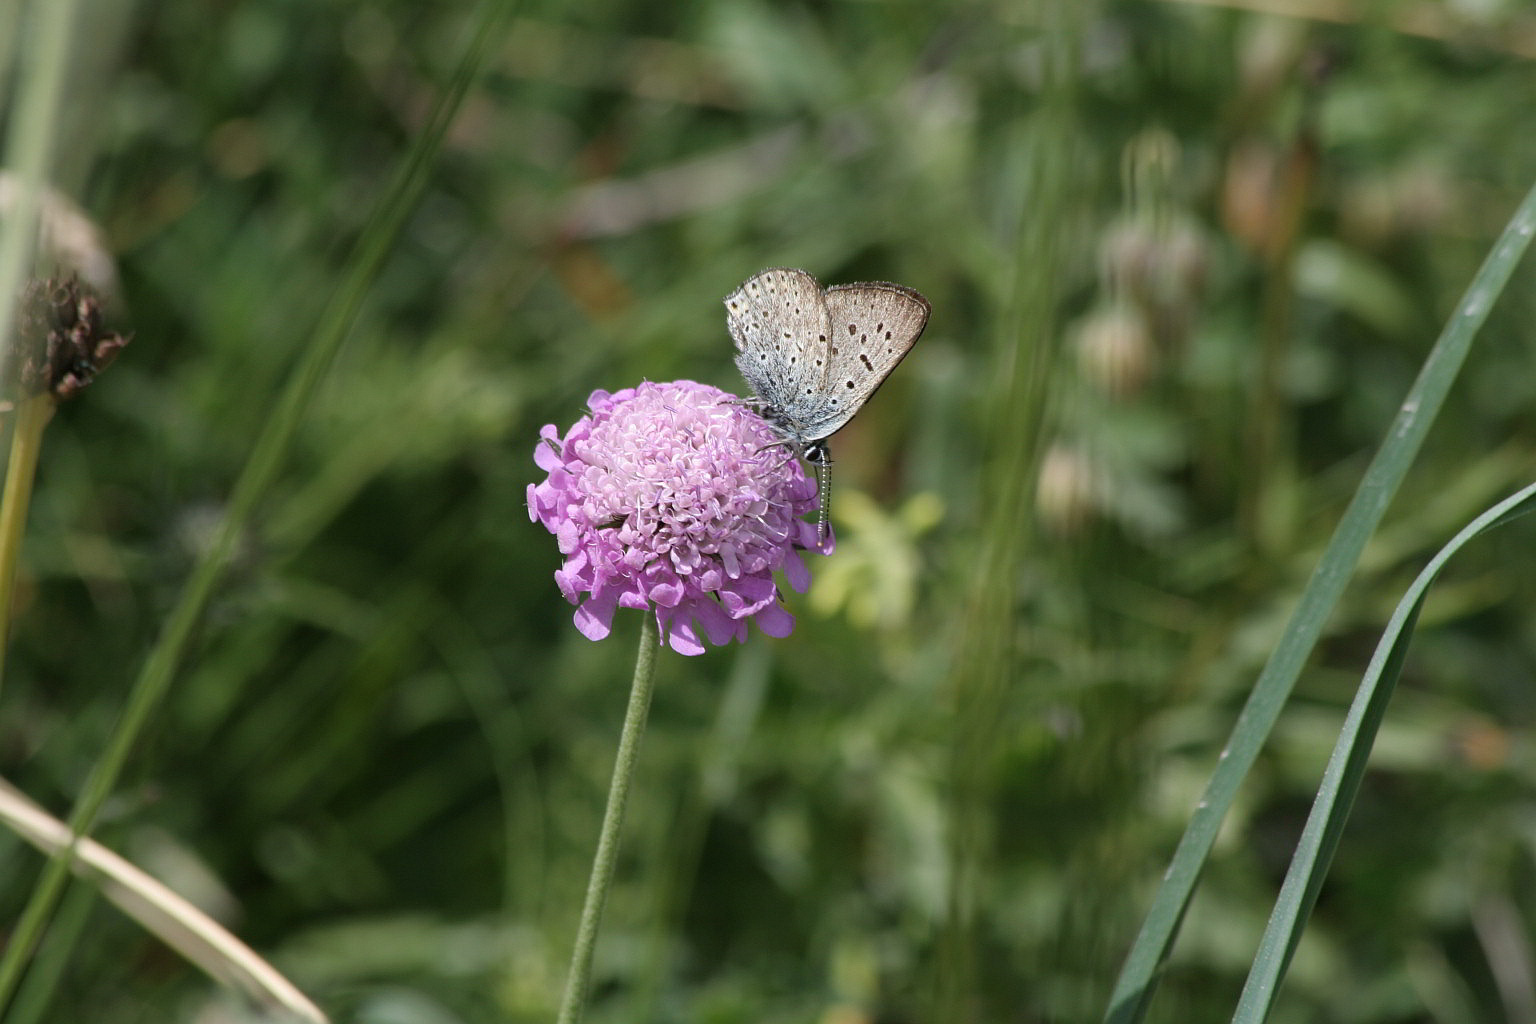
{"x": 62, "y": 340}
{"x": 675, "y": 497}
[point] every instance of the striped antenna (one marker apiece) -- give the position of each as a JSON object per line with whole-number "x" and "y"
{"x": 816, "y": 454}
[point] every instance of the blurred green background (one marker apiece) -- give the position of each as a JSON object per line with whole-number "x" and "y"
{"x": 1184, "y": 260}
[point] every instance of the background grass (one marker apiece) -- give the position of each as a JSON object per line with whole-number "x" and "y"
{"x": 949, "y": 794}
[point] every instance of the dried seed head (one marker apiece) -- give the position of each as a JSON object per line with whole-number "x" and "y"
{"x": 1160, "y": 263}
{"x": 1067, "y": 489}
{"x": 1115, "y": 350}
{"x": 61, "y": 340}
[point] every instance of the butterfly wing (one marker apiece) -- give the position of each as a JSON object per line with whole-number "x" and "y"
{"x": 778, "y": 319}
{"x": 873, "y": 325}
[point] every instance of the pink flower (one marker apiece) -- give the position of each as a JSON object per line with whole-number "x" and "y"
{"x": 675, "y": 497}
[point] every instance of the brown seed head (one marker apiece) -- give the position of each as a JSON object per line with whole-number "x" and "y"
{"x": 62, "y": 343}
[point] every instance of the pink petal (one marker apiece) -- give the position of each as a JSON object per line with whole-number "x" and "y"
{"x": 747, "y": 595}
{"x": 594, "y": 619}
{"x": 796, "y": 572}
{"x": 775, "y": 621}
{"x": 667, "y": 595}
{"x": 545, "y": 457}
{"x": 682, "y": 639}
{"x": 718, "y": 626}
{"x": 567, "y": 536}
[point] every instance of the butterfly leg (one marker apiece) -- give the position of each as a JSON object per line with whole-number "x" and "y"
{"x": 786, "y": 444}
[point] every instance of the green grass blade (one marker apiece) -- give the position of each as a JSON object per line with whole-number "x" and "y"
{"x": 1346, "y": 767}
{"x": 1133, "y": 989}
{"x": 260, "y": 470}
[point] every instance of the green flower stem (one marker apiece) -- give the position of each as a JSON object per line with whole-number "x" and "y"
{"x": 580, "y": 977}
{"x": 31, "y": 417}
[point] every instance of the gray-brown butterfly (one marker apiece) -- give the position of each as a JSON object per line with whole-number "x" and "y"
{"x": 814, "y": 356}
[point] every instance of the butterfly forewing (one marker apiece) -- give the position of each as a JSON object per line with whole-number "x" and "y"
{"x": 873, "y": 326}
{"x": 778, "y": 319}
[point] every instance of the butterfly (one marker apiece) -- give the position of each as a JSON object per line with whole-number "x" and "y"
{"x": 814, "y": 356}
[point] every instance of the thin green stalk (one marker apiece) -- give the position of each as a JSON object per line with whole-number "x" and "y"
{"x": 1270, "y": 453}
{"x": 260, "y": 470}
{"x": 10, "y": 21}
{"x": 26, "y": 442}
{"x": 53, "y": 958}
{"x": 983, "y": 670}
{"x": 580, "y": 977}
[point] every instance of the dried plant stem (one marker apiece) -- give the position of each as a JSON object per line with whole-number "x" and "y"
{"x": 580, "y": 977}
{"x": 175, "y": 920}
{"x": 31, "y": 417}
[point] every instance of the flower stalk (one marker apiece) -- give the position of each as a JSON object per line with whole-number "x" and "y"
{"x": 62, "y": 345}
{"x": 579, "y": 980}
{"x": 32, "y": 416}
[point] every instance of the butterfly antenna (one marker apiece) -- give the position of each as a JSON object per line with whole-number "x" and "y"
{"x": 821, "y": 458}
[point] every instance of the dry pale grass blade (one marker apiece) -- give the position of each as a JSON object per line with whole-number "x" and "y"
{"x": 175, "y": 921}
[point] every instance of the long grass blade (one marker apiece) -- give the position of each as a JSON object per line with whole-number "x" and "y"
{"x": 1346, "y": 767}
{"x": 1134, "y": 987}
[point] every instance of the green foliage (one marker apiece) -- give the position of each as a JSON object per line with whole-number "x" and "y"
{"x": 1185, "y": 263}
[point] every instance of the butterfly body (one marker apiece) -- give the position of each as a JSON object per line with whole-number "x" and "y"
{"x": 814, "y": 356}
